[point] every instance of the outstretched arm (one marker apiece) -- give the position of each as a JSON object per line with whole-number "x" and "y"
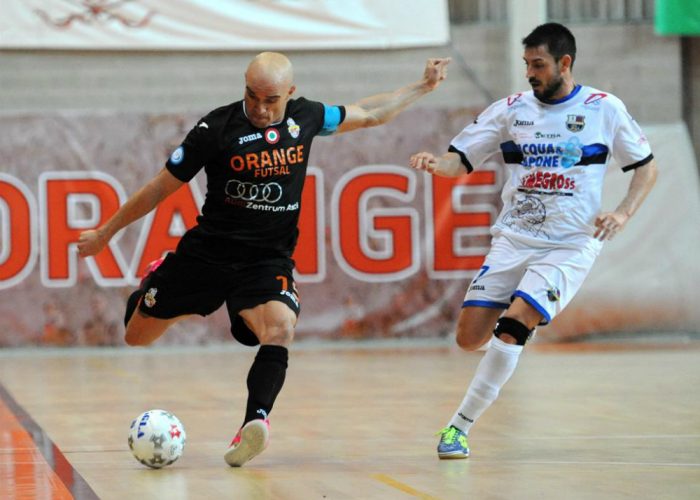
{"x": 381, "y": 108}
{"x": 143, "y": 201}
{"x": 608, "y": 224}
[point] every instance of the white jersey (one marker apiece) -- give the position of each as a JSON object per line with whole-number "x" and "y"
{"x": 556, "y": 153}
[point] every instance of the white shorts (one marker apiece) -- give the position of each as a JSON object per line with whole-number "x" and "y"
{"x": 546, "y": 278}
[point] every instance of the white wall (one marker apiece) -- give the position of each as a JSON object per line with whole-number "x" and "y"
{"x": 630, "y": 61}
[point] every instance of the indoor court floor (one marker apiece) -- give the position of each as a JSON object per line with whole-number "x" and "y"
{"x": 356, "y": 421}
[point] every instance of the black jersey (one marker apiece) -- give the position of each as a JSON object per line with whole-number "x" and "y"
{"x": 254, "y": 177}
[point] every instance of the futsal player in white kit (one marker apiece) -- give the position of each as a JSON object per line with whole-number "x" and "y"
{"x": 555, "y": 143}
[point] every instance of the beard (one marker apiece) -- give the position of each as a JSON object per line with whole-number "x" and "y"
{"x": 550, "y": 89}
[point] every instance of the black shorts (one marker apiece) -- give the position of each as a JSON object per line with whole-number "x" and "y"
{"x": 186, "y": 285}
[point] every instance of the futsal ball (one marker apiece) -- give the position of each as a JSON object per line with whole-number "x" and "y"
{"x": 157, "y": 438}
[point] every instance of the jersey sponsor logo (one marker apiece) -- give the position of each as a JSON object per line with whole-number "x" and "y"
{"x": 546, "y": 135}
{"x": 512, "y": 99}
{"x": 548, "y": 183}
{"x": 251, "y": 205}
{"x": 268, "y": 163}
{"x": 571, "y": 152}
{"x": 595, "y": 98}
{"x": 523, "y": 123}
{"x": 540, "y": 155}
{"x": 272, "y": 135}
{"x": 575, "y": 123}
{"x": 564, "y": 154}
{"x": 269, "y": 192}
{"x": 293, "y": 128}
{"x": 177, "y": 156}
{"x": 249, "y": 138}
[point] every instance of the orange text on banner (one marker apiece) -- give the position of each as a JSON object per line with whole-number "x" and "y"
{"x": 356, "y": 224}
{"x": 16, "y": 244}
{"x": 158, "y": 237}
{"x": 61, "y": 230}
{"x": 446, "y": 221}
{"x": 372, "y": 240}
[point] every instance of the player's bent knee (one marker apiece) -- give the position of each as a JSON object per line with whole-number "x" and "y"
{"x": 513, "y": 328}
{"x": 468, "y": 341}
{"x": 279, "y": 335}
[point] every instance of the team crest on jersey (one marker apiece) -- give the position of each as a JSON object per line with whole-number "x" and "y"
{"x": 294, "y": 129}
{"x": 149, "y": 297}
{"x": 272, "y": 135}
{"x": 575, "y": 123}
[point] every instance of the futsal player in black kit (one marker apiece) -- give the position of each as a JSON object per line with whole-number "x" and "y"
{"x": 254, "y": 153}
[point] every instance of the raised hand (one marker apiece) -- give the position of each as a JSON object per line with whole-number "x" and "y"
{"x": 435, "y": 71}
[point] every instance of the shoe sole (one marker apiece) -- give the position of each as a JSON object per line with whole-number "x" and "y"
{"x": 254, "y": 439}
{"x": 452, "y": 456}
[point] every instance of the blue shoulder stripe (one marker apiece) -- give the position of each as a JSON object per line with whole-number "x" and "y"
{"x": 592, "y": 154}
{"x": 511, "y": 153}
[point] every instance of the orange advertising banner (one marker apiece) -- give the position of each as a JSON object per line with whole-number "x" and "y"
{"x": 384, "y": 251}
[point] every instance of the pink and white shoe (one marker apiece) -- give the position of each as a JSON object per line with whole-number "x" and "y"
{"x": 251, "y": 440}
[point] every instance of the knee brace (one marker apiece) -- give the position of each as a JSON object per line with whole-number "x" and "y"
{"x": 514, "y": 328}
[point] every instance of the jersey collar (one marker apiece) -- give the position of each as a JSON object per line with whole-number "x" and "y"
{"x": 271, "y": 124}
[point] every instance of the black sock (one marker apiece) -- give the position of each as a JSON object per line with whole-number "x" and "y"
{"x": 265, "y": 380}
{"x": 131, "y": 304}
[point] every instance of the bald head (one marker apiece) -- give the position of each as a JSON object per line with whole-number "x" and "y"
{"x": 268, "y": 87}
{"x": 271, "y": 68}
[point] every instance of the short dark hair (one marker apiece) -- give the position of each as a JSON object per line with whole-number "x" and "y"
{"x": 557, "y": 37}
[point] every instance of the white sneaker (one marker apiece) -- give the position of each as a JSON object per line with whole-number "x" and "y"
{"x": 250, "y": 441}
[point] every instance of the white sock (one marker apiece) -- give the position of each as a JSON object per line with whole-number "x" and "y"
{"x": 494, "y": 370}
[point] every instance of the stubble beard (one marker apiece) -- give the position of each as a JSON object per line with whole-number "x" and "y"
{"x": 551, "y": 89}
